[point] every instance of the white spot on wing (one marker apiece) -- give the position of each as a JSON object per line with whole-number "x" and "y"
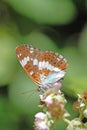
{"x": 43, "y": 65}
{"x": 31, "y": 59}
{"x": 35, "y": 62}
{"x": 58, "y": 59}
{"x": 31, "y": 48}
{"x": 31, "y": 72}
{"x": 20, "y": 54}
{"x": 40, "y": 67}
{"x": 31, "y": 51}
{"x": 46, "y": 64}
{"x": 65, "y": 60}
{"x": 60, "y": 56}
{"x": 21, "y": 63}
{"x": 28, "y": 58}
{"x": 24, "y": 61}
{"x": 50, "y": 67}
{"x": 56, "y": 69}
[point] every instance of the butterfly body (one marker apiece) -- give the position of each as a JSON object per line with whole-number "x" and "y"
{"x": 44, "y": 68}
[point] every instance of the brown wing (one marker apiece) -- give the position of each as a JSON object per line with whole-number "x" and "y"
{"x": 36, "y": 62}
{"x": 26, "y": 55}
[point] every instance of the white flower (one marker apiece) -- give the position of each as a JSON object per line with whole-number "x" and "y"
{"x": 48, "y": 100}
{"x": 40, "y": 116}
{"x": 82, "y": 104}
{"x": 42, "y": 126}
{"x": 75, "y": 124}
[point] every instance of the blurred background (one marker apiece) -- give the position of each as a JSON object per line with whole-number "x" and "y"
{"x": 57, "y": 25}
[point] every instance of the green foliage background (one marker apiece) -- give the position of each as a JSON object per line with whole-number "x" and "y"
{"x": 59, "y": 25}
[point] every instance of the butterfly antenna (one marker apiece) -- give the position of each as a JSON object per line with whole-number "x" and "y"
{"x": 29, "y": 96}
{"x": 28, "y": 91}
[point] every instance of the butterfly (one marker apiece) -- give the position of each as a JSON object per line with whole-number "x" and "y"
{"x": 43, "y": 67}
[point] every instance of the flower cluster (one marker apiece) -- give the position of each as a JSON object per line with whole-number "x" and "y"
{"x": 53, "y": 104}
{"x": 80, "y": 123}
{"x": 81, "y": 105}
{"x": 43, "y": 121}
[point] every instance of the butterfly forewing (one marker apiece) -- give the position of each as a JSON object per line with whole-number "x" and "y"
{"x": 28, "y": 56}
{"x": 38, "y": 64}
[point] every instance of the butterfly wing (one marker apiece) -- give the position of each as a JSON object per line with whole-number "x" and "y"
{"x": 40, "y": 65}
{"x": 28, "y": 58}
